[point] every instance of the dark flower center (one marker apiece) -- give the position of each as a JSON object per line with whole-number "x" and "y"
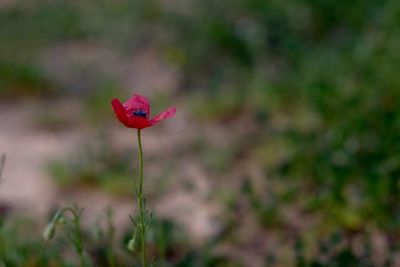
{"x": 139, "y": 113}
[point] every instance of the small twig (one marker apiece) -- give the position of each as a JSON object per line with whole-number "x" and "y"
{"x": 133, "y": 220}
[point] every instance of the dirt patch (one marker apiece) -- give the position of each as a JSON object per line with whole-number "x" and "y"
{"x": 28, "y": 149}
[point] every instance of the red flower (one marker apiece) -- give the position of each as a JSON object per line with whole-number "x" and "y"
{"x": 136, "y": 111}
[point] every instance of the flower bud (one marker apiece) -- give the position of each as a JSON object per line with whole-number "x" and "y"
{"x": 131, "y": 244}
{"x": 49, "y": 232}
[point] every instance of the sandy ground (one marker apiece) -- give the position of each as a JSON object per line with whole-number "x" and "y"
{"x": 27, "y": 150}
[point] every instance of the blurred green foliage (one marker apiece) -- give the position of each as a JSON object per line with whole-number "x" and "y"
{"x": 319, "y": 78}
{"x": 20, "y": 245}
{"x": 95, "y": 163}
{"x": 29, "y": 30}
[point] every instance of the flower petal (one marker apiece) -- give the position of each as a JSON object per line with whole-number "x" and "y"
{"x": 120, "y": 111}
{"x": 138, "y": 103}
{"x": 139, "y": 122}
{"x": 169, "y": 113}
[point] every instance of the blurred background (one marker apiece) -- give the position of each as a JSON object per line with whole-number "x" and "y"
{"x": 284, "y": 151}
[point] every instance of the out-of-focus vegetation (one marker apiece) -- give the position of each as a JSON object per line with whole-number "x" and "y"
{"x": 21, "y": 244}
{"x": 307, "y": 93}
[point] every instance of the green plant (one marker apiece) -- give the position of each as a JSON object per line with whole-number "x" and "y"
{"x": 73, "y": 231}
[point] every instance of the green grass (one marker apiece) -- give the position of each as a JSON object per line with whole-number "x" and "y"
{"x": 22, "y": 244}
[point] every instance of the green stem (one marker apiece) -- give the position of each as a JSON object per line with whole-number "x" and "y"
{"x": 140, "y": 199}
{"x": 77, "y": 241}
{"x": 110, "y": 234}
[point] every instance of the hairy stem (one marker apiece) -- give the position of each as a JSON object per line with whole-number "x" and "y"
{"x": 140, "y": 199}
{"x": 77, "y": 240}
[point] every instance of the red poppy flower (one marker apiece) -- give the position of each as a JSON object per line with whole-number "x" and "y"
{"x": 136, "y": 111}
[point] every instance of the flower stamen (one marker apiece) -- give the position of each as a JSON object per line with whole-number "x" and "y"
{"x": 139, "y": 113}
